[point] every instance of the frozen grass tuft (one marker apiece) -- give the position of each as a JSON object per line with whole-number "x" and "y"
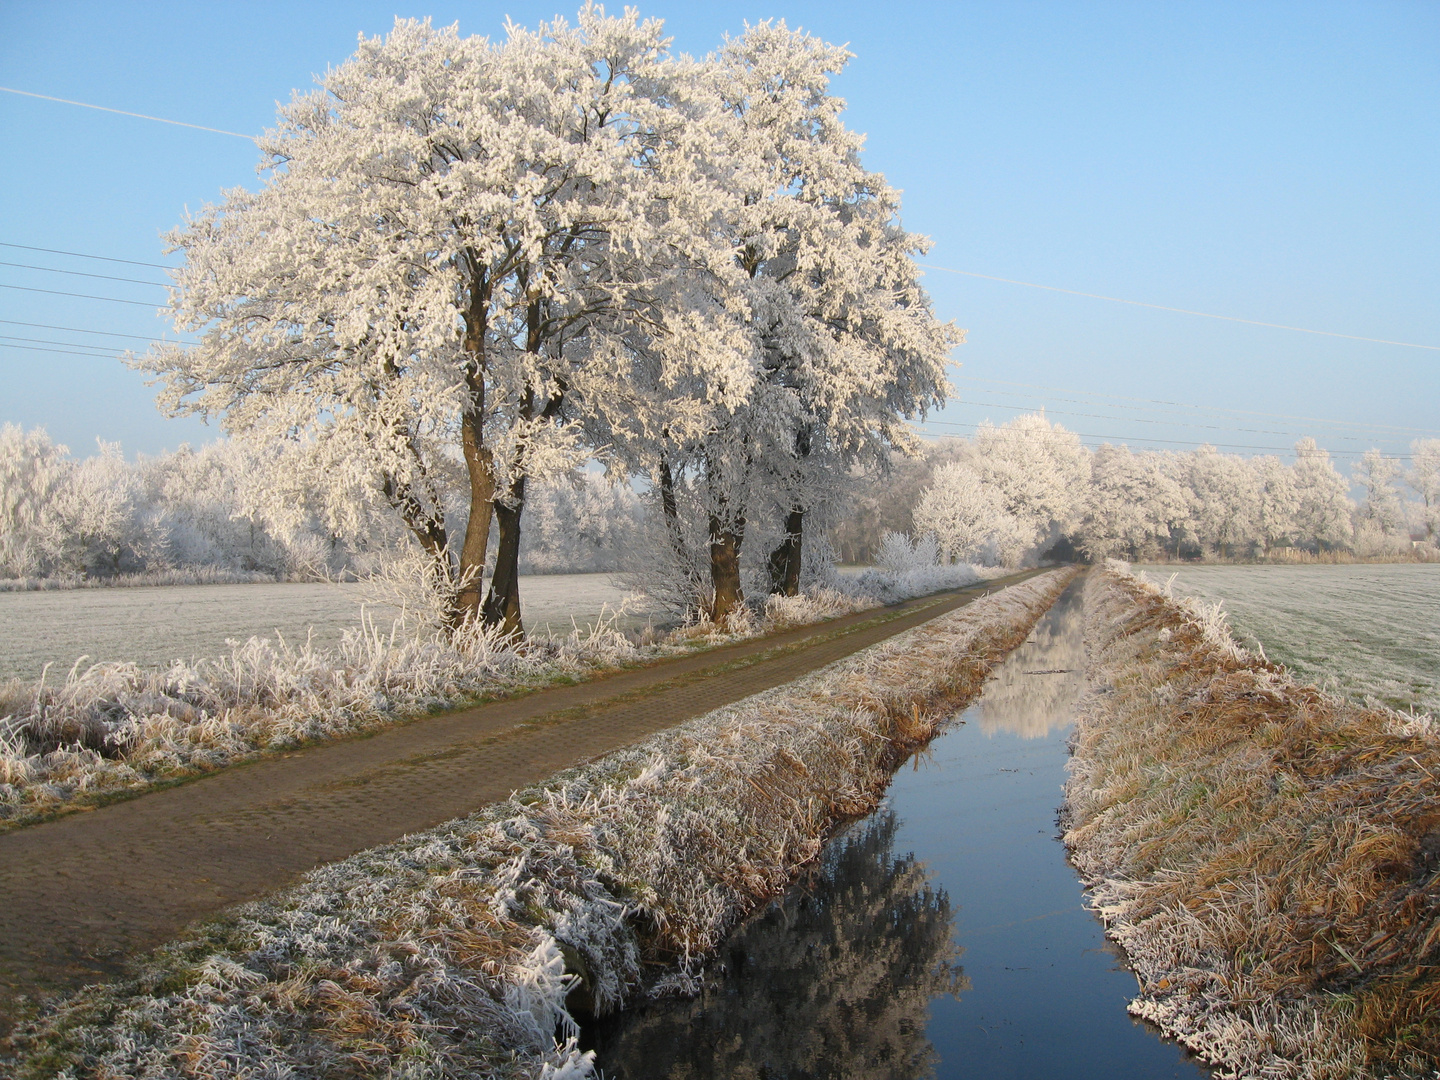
{"x": 1268, "y": 855}
{"x": 119, "y": 726}
{"x": 466, "y": 950}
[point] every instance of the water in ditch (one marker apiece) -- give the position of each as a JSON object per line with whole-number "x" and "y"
{"x": 944, "y": 935}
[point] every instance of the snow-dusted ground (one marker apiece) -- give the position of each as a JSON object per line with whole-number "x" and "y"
{"x": 154, "y": 625}
{"x": 1361, "y": 630}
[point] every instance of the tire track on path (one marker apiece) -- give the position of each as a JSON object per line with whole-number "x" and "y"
{"x": 82, "y": 893}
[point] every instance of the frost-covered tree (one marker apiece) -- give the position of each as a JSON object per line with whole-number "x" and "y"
{"x": 1424, "y": 478}
{"x": 410, "y": 298}
{"x": 1226, "y": 501}
{"x": 1135, "y": 504}
{"x": 1041, "y": 472}
{"x": 1381, "y": 525}
{"x": 1277, "y": 501}
{"x": 837, "y": 342}
{"x": 968, "y": 518}
{"x": 1322, "y": 517}
{"x": 1383, "y": 506}
{"x": 846, "y": 342}
{"x": 33, "y": 472}
{"x": 582, "y": 523}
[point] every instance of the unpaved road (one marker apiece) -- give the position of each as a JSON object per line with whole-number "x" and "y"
{"x": 80, "y": 894}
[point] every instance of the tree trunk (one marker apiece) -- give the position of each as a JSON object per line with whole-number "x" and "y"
{"x": 725, "y": 570}
{"x": 481, "y": 469}
{"x": 785, "y": 559}
{"x": 479, "y": 462}
{"x": 502, "y": 605}
{"x": 670, "y": 511}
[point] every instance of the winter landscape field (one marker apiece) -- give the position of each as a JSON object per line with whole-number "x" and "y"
{"x": 152, "y": 626}
{"x": 574, "y": 559}
{"x": 1367, "y": 632}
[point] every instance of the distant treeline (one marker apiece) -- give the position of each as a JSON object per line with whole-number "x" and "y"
{"x": 1029, "y": 487}
{"x": 200, "y": 511}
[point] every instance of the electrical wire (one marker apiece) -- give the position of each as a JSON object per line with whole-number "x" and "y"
{"x": 62, "y": 352}
{"x": 123, "y": 112}
{"x": 1317, "y": 452}
{"x": 103, "y": 333}
{"x": 1181, "y": 311}
{"x": 84, "y": 296}
{"x": 81, "y": 273}
{"x": 101, "y": 349}
{"x": 1141, "y": 419}
{"x": 81, "y": 255}
{"x": 1208, "y": 408}
{"x": 927, "y": 266}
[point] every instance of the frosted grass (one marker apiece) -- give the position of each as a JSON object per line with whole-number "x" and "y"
{"x": 1367, "y": 632}
{"x": 154, "y": 625}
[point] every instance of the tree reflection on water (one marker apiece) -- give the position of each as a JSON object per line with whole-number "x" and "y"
{"x": 832, "y": 981}
{"x": 1035, "y": 689}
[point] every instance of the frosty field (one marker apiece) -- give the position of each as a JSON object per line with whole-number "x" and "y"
{"x": 155, "y": 625}
{"x": 1359, "y": 630}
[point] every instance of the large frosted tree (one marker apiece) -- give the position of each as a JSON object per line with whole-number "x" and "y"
{"x": 416, "y": 290}
{"x": 1424, "y": 478}
{"x": 839, "y": 341}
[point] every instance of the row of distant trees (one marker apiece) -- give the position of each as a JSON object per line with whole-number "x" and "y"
{"x": 202, "y": 513}
{"x": 475, "y": 266}
{"x": 1027, "y": 487}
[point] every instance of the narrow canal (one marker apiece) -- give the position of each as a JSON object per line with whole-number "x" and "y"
{"x": 944, "y": 935}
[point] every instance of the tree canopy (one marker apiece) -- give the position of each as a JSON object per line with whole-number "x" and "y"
{"x": 472, "y": 264}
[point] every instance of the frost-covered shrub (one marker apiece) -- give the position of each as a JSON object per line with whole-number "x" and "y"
{"x": 907, "y": 569}
{"x": 121, "y": 726}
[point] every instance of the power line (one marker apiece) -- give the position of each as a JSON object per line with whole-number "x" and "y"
{"x": 1181, "y": 311}
{"x": 104, "y": 333}
{"x": 928, "y": 266}
{"x": 84, "y": 296}
{"x": 62, "y": 352}
{"x": 103, "y": 350}
{"x": 1139, "y": 419}
{"x": 1173, "y": 442}
{"x": 1208, "y": 408}
{"x": 81, "y": 273}
{"x": 81, "y": 255}
{"x": 123, "y": 112}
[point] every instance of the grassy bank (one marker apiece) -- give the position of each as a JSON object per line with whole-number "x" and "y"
{"x": 462, "y": 951}
{"x": 1268, "y": 855}
{"x": 115, "y": 729}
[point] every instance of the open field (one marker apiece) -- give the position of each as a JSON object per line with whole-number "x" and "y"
{"x": 1359, "y": 630}
{"x": 157, "y": 624}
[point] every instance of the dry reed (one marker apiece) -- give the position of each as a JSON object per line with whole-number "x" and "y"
{"x": 1268, "y": 855}
{"x": 463, "y": 950}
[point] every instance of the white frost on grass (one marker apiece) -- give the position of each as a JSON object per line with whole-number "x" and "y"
{"x": 119, "y": 726}
{"x": 453, "y": 952}
{"x": 1369, "y": 632}
{"x": 1262, "y": 851}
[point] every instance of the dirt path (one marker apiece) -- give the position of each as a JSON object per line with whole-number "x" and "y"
{"x": 81, "y": 893}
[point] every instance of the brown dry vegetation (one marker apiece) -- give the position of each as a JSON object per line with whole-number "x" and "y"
{"x": 1268, "y": 855}
{"x": 457, "y": 952}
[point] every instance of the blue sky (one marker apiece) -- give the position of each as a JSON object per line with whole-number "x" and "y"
{"x": 1274, "y": 162}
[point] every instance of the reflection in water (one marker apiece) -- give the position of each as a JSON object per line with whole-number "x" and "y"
{"x": 1034, "y": 691}
{"x": 835, "y": 980}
